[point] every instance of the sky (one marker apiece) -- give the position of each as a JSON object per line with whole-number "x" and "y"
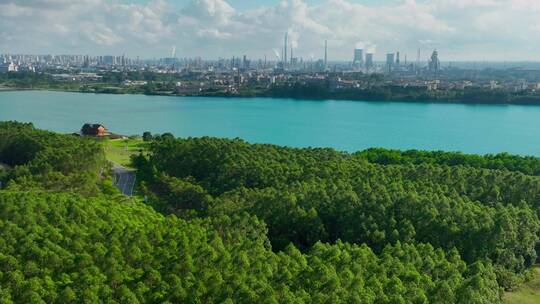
{"x": 461, "y": 30}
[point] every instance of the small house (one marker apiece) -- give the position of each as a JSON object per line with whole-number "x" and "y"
{"x": 89, "y": 129}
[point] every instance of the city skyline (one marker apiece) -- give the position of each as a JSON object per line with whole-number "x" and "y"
{"x": 479, "y": 30}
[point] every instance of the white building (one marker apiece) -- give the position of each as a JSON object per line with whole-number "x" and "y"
{"x": 11, "y": 67}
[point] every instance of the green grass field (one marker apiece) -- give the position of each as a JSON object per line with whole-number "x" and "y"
{"x": 119, "y": 151}
{"x": 529, "y": 293}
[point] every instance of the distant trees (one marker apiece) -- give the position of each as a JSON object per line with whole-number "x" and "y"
{"x": 167, "y": 136}
{"x": 147, "y": 136}
{"x": 528, "y": 165}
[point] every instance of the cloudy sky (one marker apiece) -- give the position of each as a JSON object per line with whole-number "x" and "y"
{"x": 460, "y": 29}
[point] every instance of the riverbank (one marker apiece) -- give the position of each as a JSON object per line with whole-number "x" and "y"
{"x": 7, "y": 89}
{"x": 343, "y": 125}
{"x": 434, "y": 97}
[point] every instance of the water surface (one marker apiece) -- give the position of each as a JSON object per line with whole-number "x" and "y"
{"x": 344, "y": 125}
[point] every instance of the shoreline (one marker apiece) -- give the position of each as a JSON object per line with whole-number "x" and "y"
{"x": 269, "y": 96}
{"x": 364, "y": 124}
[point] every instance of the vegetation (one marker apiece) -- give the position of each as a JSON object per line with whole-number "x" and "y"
{"x": 389, "y": 92}
{"x": 375, "y": 87}
{"x": 60, "y": 248}
{"x": 44, "y": 160}
{"x": 311, "y": 195}
{"x": 529, "y": 293}
{"x": 528, "y": 165}
{"x": 225, "y": 221}
{"x": 120, "y": 151}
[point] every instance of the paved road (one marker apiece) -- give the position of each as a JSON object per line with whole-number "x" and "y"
{"x": 124, "y": 179}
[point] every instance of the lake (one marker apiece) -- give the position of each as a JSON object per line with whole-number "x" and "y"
{"x": 343, "y": 125}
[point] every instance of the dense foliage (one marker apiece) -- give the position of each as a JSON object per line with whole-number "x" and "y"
{"x": 49, "y": 161}
{"x": 528, "y": 165}
{"x": 58, "y": 248}
{"x": 311, "y": 195}
{"x": 232, "y": 222}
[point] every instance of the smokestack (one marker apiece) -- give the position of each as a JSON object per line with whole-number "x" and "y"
{"x": 325, "y": 53}
{"x": 285, "y": 48}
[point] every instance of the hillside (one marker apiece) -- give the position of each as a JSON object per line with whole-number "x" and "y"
{"x": 225, "y": 221}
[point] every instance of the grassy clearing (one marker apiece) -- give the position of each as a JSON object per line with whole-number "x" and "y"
{"x": 119, "y": 151}
{"x": 529, "y": 293}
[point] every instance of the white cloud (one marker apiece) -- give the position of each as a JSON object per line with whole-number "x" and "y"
{"x": 460, "y": 29}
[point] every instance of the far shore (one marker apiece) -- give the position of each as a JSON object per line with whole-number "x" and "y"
{"x": 247, "y": 96}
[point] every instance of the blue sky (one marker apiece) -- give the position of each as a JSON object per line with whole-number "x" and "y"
{"x": 476, "y": 30}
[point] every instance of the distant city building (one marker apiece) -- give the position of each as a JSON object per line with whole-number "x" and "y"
{"x": 170, "y": 61}
{"x": 320, "y": 65}
{"x": 285, "y": 49}
{"x": 108, "y": 60}
{"x": 294, "y": 62}
{"x": 9, "y": 67}
{"x": 325, "y": 54}
{"x": 390, "y": 62}
{"x": 245, "y": 62}
{"x": 369, "y": 61}
{"x": 358, "y": 57}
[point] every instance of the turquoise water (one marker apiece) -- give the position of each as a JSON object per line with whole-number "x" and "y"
{"x": 344, "y": 125}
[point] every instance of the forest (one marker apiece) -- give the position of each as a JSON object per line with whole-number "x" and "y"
{"x": 226, "y": 221}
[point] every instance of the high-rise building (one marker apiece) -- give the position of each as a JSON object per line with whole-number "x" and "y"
{"x": 398, "y": 61}
{"x": 292, "y": 55}
{"x": 418, "y": 60}
{"x": 245, "y": 63}
{"x": 358, "y": 57}
{"x": 169, "y": 61}
{"x": 109, "y": 60}
{"x": 390, "y": 61}
{"x": 369, "y": 61}
{"x": 285, "y": 49}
